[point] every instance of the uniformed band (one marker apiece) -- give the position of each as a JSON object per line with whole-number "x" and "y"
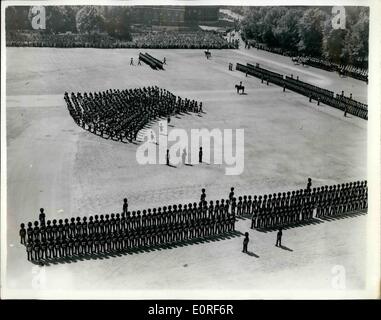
{"x": 125, "y": 231}
{"x": 121, "y": 114}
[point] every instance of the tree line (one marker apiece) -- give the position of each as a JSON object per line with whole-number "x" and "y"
{"x": 77, "y": 19}
{"x": 308, "y": 31}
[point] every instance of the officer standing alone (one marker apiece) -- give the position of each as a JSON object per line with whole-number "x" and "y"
{"x": 245, "y": 242}
{"x": 279, "y": 238}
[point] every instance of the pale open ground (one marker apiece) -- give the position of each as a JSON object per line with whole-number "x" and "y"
{"x": 52, "y": 163}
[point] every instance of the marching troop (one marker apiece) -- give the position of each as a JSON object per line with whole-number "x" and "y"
{"x": 121, "y": 114}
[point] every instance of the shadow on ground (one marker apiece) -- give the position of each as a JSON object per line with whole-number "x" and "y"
{"x": 113, "y": 254}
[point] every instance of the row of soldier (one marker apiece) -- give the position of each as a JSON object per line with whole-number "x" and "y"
{"x": 346, "y": 104}
{"x": 127, "y": 230}
{"x": 183, "y": 222}
{"x": 342, "y": 69}
{"x": 121, "y": 241}
{"x": 121, "y": 114}
{"x": 298, "y": 206}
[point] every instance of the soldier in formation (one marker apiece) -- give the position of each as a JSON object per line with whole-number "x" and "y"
{"x": 121, "y": 114}
{"x": 126, "y": 231}
{"x": 274, "y": 210}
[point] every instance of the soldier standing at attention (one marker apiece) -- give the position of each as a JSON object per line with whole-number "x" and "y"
{"x": 231, "y": 194}
{"x": 309, "y": 184}
{"x": 22, "y": 233}
{"x": 77, "y": 245}
{"x": 41, "y": 217}
{"x": 203, "y": 195}
{"x": 167, "y": 157}
{"x": 200, "y": 155}
{"x": 29, "y": 249}
{"x": 36, "y": 249}
{"x": 125, "y": 205}
{"x": 279, "y": 238}
{"x": 245, "y": 242}
{"x": 36, "y": 231}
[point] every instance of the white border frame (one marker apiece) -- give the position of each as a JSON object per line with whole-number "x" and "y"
{"x": 372, "y": 290}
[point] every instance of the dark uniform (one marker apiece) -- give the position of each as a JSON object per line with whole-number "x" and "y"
{"x": 245, "y": 242}
{"x": 22, "y": 233}
{"x": 41, "y": 217}
{"x": 279, "y": 238}
{"x": 125, "y": 205}
{"x": 29, "y": 250}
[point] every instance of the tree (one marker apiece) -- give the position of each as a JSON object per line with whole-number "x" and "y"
{"x": 334, "y": 44}
{"x": 252, "y": 24}
{"x": 287, "y": 32}
{"x": 357, "y": 41}
{"x": 16, "y": 18}
{"x": 89, "y": 19}
{"x": 117, "y": 22}
{"x": 271, "y": 20}
{"x": 311, "y": 27}
{"x": 58, "y": 18}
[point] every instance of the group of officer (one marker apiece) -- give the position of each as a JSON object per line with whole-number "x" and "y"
{"x": 121, "y": 114}
{"x": 275, "y": 210}
{"x": 126, "y": 230}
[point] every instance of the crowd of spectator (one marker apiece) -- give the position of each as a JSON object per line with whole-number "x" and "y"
{"x": 163, "y": 40}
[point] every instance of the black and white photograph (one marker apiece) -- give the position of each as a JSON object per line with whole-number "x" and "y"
{"x": 190, "y": 150}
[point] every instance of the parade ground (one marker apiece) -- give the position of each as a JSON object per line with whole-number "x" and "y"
{"x": 54, "y": 164}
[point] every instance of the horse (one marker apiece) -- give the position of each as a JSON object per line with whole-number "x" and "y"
{"x": 240, "y": 87}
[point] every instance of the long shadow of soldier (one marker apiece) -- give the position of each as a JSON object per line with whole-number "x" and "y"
{"x": 345, "y": 215}
{"x": 285, "y": 248}
{"x": 291, "y": 225}
{"x": 252, "y": 254}
{"x": 115, "y": 253}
